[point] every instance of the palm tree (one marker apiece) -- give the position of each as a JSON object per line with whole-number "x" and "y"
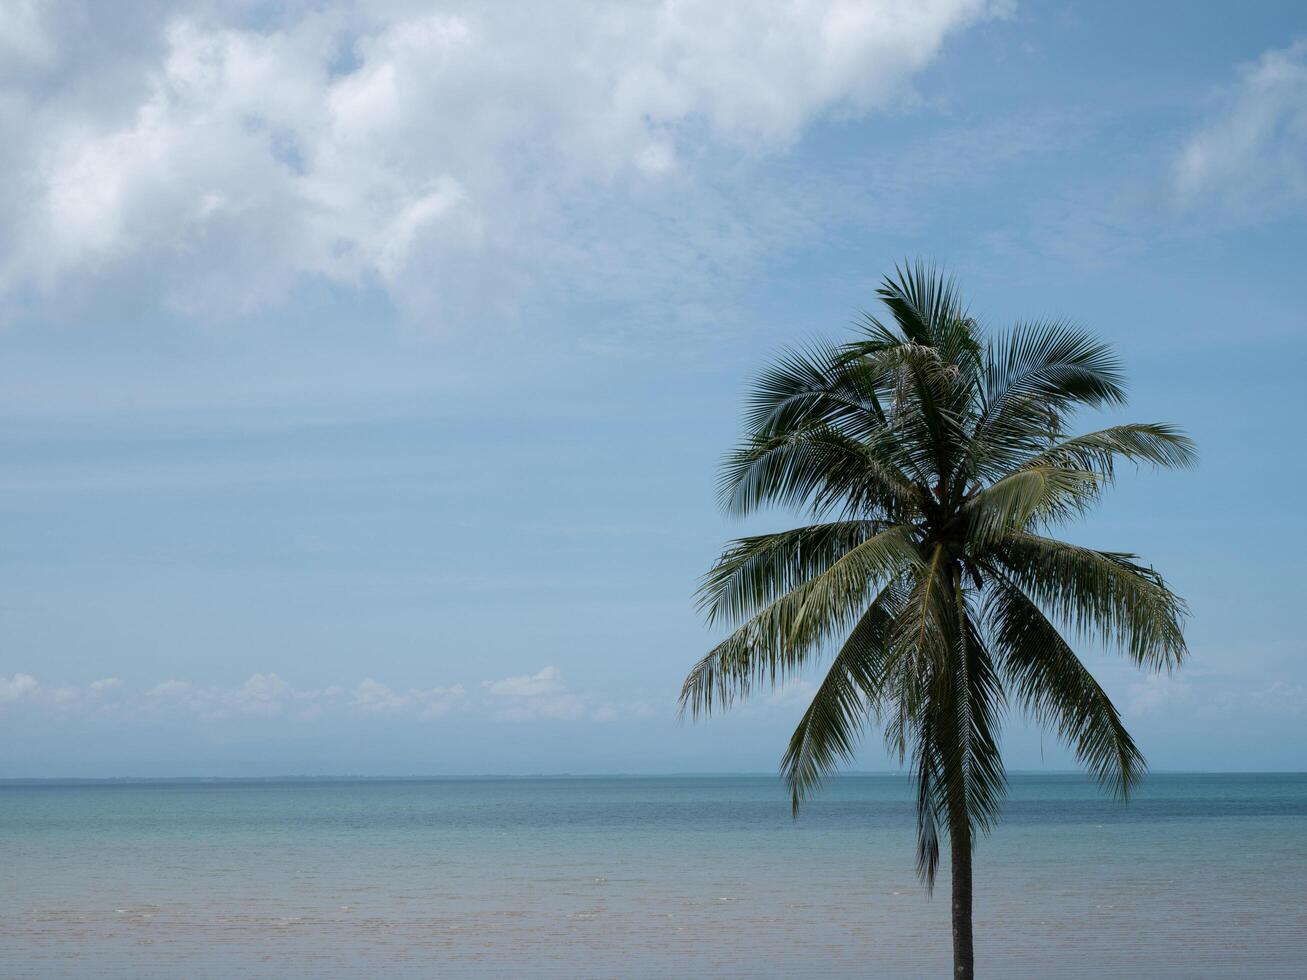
{"x": 935, "y": 461}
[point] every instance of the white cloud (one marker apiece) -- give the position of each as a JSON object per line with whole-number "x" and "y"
{"x": 543, "y": 695}
{"x": 17, "y": 687}
{"x": 169, "y": 690}
{"x": 103, "y": 687}
{"x": 97, "y": 697}
{"x": 264, "y": 688}
{"x": 1252, "y": 156}
{"x": 262, "y": 694}
{"x": 549, "y": 680}
{"x": 373, "y": 697}
{"x": 436, "y": 152}
{"x": 561, "y": 707}
{"x": 528, "y": 697}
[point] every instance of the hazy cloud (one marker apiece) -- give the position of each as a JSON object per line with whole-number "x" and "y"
{"x": 374, "y": 697}
{"x": 548, "y": 681}
{"x": 17, "y": 687}
{"x": 1251, "y": 157}
{"x": 21, "y": 689}
{"x": 1214, "y": 696}
{"x": 262, "y": 695}
{"x": 528, "y": 697}
{"x": 1156, "y": 692}
{"x": 543, "y": 695}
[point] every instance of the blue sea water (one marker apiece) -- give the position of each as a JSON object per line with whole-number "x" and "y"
{"x": 1199, "y": 876}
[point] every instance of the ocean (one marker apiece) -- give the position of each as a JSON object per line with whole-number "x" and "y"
{"x": 1199, "y": 876}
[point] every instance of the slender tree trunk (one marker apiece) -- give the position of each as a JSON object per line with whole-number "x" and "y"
{"x": 964, "y": 962}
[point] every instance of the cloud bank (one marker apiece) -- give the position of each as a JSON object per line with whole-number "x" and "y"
{"x": 214, "y": 157}
{"x": 530, "y": 697}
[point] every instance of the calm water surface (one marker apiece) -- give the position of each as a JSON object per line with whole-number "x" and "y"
{"x": 1200, "y": 876}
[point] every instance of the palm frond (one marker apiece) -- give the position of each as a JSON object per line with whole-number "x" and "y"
{"x": 1053, "y": 362}
{"x": 1040, "y": 494}
{"x": 756, "y": 570}
{"x": 820, "y": 384}
{"x": 817, "y": 468}
{"x": 928, "y": 402}
{"x": 980, "y": 699}
{"x": 915, "y": 674}
{"x": 928, "y": 770}
{"x": 1163, "y": 446}
{"x": 1099, "y": 593}
{"x": 1034, "y": 375}
{"x": 844, "y": 702}
{"x": 1055, "y": 688}
{"x": 780, "y": 637}
{"x": 928, "y": 310}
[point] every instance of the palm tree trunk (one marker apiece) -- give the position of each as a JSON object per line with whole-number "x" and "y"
{"x": 964, "y": 962}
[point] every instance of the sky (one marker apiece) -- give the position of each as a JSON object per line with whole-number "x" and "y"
{"x": 365, "y": 367}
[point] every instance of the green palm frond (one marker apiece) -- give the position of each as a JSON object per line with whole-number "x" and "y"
{"x": 1054, "y": 362}
{"x": 1037, "y": 495}
{"x": 1161, "y": 445}
{"x": 980, "y": 696}
{"x": 847, "y": 698}
{"x": 815, "y": 468}
{"x": 1055, "y": 688}
{"x": 1099, "y": 593}
{"x": 928, "y": 310}
{"x": 778, "y": 639}
{"x": 927, "y": 397}
{"x": 1034, "y": 376}
{"x": 929, "y": 771}
{"x": 817, "y": 385}
{"x": 755, "y": 571}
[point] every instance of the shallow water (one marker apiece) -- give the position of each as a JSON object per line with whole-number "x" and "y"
{"x": 1200, "y": 876}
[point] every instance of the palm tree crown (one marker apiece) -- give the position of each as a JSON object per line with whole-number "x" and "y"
{"x": 935, "y": 461}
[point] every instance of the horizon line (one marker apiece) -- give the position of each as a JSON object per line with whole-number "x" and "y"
{"x": 691, "y": 774}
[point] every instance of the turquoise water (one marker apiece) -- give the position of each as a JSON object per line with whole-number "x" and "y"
{"x": 1200, "y": 876}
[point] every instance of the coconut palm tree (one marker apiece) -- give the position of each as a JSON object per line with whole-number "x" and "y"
{"x": 934, "y": 462}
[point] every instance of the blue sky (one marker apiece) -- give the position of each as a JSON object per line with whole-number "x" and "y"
{"x": 364, "y": 368}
